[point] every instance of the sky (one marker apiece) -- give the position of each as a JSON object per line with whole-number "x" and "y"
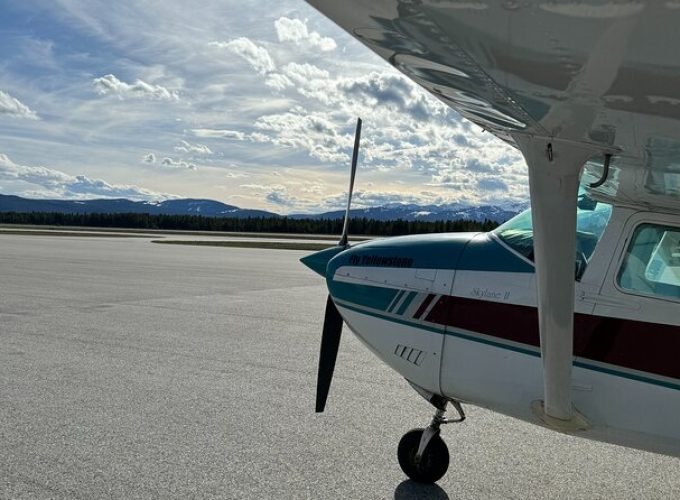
{"x": 250, "y": 103}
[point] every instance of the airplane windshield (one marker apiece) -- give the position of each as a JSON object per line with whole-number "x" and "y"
{"x": 591, "y": 219}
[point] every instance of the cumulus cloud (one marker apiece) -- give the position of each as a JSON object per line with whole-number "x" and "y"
{"x": 282, "y": 198}
{"x": 296, "y": 31}
{"x": 263, "y": 187}
{"x": 59, "y": 184}
{"x": 11, "y": 106}
{"x": 490, "y": 184}
{"x": 186, "y": 147}
{"x": 303, "y": 74}
{"x": 278, "y": 82}
{"x": 235, "y": 175}
{"x": 270, "y": 93}
{"x": 310, "y": 131}
{"x": 406, "y": 130}
{"x": 111, "y": 85}
{"x": 276, "y": 194}
{"x": 258, "y": 57}
{"x": 219, "y": 134}
{"x": 391, "y": 89}
{"x": 377, "y": 198}
{"x": 475, "y": 165}
{"x": 179, "y": 164}
{"x": 371, "y": 198}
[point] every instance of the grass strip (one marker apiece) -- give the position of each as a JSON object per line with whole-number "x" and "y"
{"x": 276, "y": 245}
{"x": 158, "y": 232}
{"x": 70, "y": 233}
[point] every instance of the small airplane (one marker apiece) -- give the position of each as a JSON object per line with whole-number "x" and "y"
{"x": 568, "y": 315}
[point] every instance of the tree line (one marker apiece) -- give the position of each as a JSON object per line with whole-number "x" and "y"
{"x": 358, "y": 226}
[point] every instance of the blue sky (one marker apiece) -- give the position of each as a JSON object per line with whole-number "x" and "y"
{"x": 250, "y": 103}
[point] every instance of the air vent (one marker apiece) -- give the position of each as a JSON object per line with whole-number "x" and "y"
{"x": 410, "y": 354}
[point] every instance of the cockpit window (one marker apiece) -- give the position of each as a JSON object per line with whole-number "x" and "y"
{"x": 591, "y": 219}
{"x": 652, "y": 261}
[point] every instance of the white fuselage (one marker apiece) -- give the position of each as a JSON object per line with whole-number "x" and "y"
{"x": 464, "y": 356}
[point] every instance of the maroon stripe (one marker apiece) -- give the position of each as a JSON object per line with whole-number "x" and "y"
{"x": 423, "y": 306}
{"x": 647, "y": 347}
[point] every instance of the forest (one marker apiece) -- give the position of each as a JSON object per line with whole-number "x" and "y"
{"x": 358, "y": 226}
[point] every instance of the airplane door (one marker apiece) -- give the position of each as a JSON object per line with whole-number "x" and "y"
{"x": 442, "y": 286}
{"x": 425, "y": 347}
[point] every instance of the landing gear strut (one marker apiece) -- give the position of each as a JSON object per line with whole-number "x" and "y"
{"x": 423, "y": 455}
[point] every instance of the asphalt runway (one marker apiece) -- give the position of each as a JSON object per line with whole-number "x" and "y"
{"x": 134, "y": 370}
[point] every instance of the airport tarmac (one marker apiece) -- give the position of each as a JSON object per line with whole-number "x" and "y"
{"x": 134, "y": 370}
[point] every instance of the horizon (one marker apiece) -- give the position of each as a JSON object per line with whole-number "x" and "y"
{"x": 511, "y": 206}
{"x": 252, "y": 109}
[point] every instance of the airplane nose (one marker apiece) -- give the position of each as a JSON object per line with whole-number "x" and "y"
{"x": 318, "y": 261}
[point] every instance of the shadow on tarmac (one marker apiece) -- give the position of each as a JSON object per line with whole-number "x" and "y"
{"x": 408, "y": 490}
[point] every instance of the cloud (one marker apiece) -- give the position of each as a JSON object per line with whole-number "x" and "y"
{"x": 282, "y": 198}
{"x": 263, "y": 187}
{"x": 475, "y": 165}
{"x": 310, "y": 131}
{"x": 490, "y": 184}
{"x": 376, "y": 198}
{"x": 111, "y": 85}
{"x": 452, "y": 179}
{"x": 291, "y": 105}
{"x": 179, "y": 164}
{"x": 219, "y": 134}
{"x": 149, "y": 158}
{"x": 235, "y": 175}
{"x": 59, "y": 184}
{"x": 406, "y": 132}
{"x": 258, "y": 57}
{"x": 278, "y": 82}
{"x": 186, "y": 147}
{"x": 296, "y": 31}
{"x": 369, "y": 198}
{"x": 391, "y": 89}
{"x": 303, "y": 74}
{"x": 11, "y": 106}
{"x": 275, "y": 194}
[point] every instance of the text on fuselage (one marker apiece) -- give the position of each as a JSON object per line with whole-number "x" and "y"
{"x": 380, "y": 261}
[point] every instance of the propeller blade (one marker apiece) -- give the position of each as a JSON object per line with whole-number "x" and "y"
{"x": 330, "y": 341}
{"x": 355, "y": 156}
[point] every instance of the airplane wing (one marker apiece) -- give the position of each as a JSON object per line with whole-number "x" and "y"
{"x": 605, "y": 74}
{"x": 565, "y": 82}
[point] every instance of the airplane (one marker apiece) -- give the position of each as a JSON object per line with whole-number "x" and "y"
{"x": 567, "y": 316}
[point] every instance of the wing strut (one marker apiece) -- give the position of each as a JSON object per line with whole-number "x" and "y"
{"x": 554, "y": 169}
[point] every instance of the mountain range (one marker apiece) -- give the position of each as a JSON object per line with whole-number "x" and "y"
{"x": 410, "y": 212}
{"x": 211, "y": 208}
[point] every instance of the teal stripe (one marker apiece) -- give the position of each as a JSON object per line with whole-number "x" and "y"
{"x": 396, "y": 300}
{"x": 393, "y": 319}
{"x": 406, "y": 303}
{"x": 529, "y": 352}
{"x": 374, "y": 297}
{"x": 631, "y": 376}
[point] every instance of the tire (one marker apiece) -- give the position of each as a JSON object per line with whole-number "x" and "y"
{"x": 435, "y": 460}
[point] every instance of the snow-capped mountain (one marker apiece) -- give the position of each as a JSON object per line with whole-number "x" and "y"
{"x": 187, "y": 206}
{"x": 211, "y": 208}
{"x": 412, "y": 212}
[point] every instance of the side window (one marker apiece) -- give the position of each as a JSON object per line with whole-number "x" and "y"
{"x": 652, "y": 261}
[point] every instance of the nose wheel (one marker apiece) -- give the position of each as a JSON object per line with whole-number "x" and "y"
{"x": 433, "y": 462}
{"x": 422, "y": 453}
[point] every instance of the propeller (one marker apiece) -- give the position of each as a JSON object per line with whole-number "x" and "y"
{"x": 330, "y": 341}
{"x": 353, "y": 171}
{"x": 332, "y": 323}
